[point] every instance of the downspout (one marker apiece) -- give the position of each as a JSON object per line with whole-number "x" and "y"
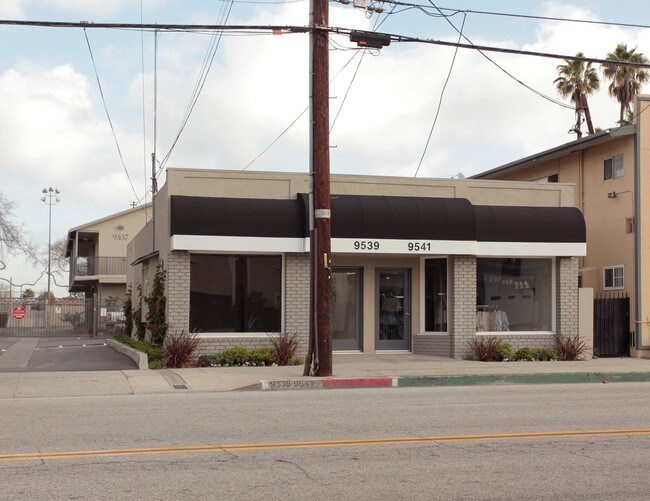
{"x": 637, "y": 232}
{"x": 581, "y": 194}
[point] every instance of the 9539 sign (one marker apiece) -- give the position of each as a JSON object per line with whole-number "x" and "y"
{"x": 366, "y": 245}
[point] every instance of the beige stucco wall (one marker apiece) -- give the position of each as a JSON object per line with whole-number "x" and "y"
{"x": 112, "y": 241}
{"x": 280, "y": 185}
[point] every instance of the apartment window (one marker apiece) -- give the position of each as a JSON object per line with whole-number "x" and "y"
{"x": 235, "y": 293}
{"x": 435, "y": 295}
{"x": 614, "y": 277}
{"x": 613, "y": 167}
{"x": 553, "y": 178}
{"x": 514, "y": 295}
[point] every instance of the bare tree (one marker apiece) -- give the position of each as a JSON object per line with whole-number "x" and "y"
{"x": 13, "y": 241}
{"x": 12, "y": 236}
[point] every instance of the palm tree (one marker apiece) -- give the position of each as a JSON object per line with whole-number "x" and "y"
{"x": 577, "y": 79}
{"x": 625, "y": 80}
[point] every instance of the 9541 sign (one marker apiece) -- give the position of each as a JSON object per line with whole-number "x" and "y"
{"x": 418, "y": 246}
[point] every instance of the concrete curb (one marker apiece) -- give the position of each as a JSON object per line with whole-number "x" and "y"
{"x": 456, "y": 380}
{"x": 138, "y": 357}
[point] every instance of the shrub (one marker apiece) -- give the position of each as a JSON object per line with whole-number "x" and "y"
{"x": 128, "y": 312}
{"x": 156, "y": 364}
{"x": 297, "y": 361}
{"x": 469, "y": 358}
{"x": 262, "y": 356}
{"x": 484, "y": 349}
{"x": 156, "y": 303}
{"x": 526, "y": 354}
{"x": 211, "y": 360}
{"x": 504, "y": 351}
{"x": 75, "y": 319}
{"x": 285, "y": 347}
{"x": 546, "y": 354}
{"x": 570, "y": 347}
{"x": 238, "y": 355}
{"x": 179, "y": 350}
{"x": 154, "y": 353}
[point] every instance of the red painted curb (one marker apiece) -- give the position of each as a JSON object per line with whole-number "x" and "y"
{"x": 358, "y": 382}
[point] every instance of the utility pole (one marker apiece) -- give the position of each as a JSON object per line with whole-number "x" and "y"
{"x": 321, "y": 279}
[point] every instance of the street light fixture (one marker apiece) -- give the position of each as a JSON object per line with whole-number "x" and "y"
{"x": 50, "y": 198}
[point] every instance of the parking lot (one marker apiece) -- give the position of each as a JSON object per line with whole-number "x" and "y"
{"x": 60, "y": 354}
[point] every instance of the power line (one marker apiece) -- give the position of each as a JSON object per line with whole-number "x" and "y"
{"x": 535, "y": 91}
{"x": 290, "y": 29}
{"x": 144, "y": 114}
{"x": 354, "y": 76}
{"x": 510, "y": 14}
{"x": 101, "y": 92}
{"x": 442, "y": 93}
{"x": 200, "y": 82}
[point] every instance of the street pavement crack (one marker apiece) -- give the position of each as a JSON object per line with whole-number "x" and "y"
{"x": 300, "y": 468}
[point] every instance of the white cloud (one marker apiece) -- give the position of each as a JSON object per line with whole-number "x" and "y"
{"x": 12, "y": 9}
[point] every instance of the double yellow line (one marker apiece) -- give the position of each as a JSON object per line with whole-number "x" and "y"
{"x": 314, "y": 444}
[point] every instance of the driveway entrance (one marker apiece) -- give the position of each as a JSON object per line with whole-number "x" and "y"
{"x": 60, "y": 354}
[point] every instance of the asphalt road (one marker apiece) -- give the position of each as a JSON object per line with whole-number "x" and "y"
{"x": 515, "y": 442}
{"x": 60, "y": 354}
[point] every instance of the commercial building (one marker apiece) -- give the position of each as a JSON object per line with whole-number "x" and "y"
{"x": 419, "y": 265}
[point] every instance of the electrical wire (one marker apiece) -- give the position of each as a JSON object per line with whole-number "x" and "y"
{"x": 203, "y": 75}
{"x": 144, "y": 115}
{"x": 442, "y": 94}
{"x": 525, "y": 85}
{"x": 101, "y": 92}
{"x": 509, "y": 14}
{"x": 363, "y": 54}
{"x": 298, "y": 117}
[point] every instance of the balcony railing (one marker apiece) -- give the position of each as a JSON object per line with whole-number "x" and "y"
{"x": 90, "y": 266}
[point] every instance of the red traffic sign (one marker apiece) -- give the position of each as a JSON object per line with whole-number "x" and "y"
{"x": 19, "y": 313}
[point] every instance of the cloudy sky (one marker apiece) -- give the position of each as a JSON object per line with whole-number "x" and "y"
{"x": 54, "y": 130}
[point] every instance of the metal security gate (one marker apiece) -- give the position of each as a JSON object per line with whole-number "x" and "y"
{"x": 30, "y": 317}
{"x": 612, "y": 325}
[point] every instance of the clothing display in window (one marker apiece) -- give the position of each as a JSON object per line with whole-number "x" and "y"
{"x": 492, "y": 320}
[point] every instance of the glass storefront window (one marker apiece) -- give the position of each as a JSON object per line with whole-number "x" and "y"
{"x": 235, "y": 293}
{"x": 435, "y": 295}
{"x": 514, "y": 295}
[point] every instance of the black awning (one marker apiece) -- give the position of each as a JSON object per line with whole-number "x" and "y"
{"x": 242, "y": 217}
{"x": 378, "y": 217}
{"x": 414, "y": 218}
{"x": 529, "y": 224}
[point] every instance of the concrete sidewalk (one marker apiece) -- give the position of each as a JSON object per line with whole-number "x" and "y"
{"x": 350, "y": 370}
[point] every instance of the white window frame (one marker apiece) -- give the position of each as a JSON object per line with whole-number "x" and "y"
{"x": 615, "y": 278}
{"x": 614, "y": 174}
{"x": 553, "y": 302}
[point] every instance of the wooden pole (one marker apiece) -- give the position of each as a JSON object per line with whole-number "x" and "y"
{"x": 321, "y": 182}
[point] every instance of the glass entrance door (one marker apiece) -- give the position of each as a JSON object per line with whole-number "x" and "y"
{"x": 393, "y": 306}
{"x": 346, "y": 309}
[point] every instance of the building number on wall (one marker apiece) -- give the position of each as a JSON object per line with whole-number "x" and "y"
{"x": 366, "y": 245}
{"x": 417, "y": 246}
{"x": 120, "y": 236}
